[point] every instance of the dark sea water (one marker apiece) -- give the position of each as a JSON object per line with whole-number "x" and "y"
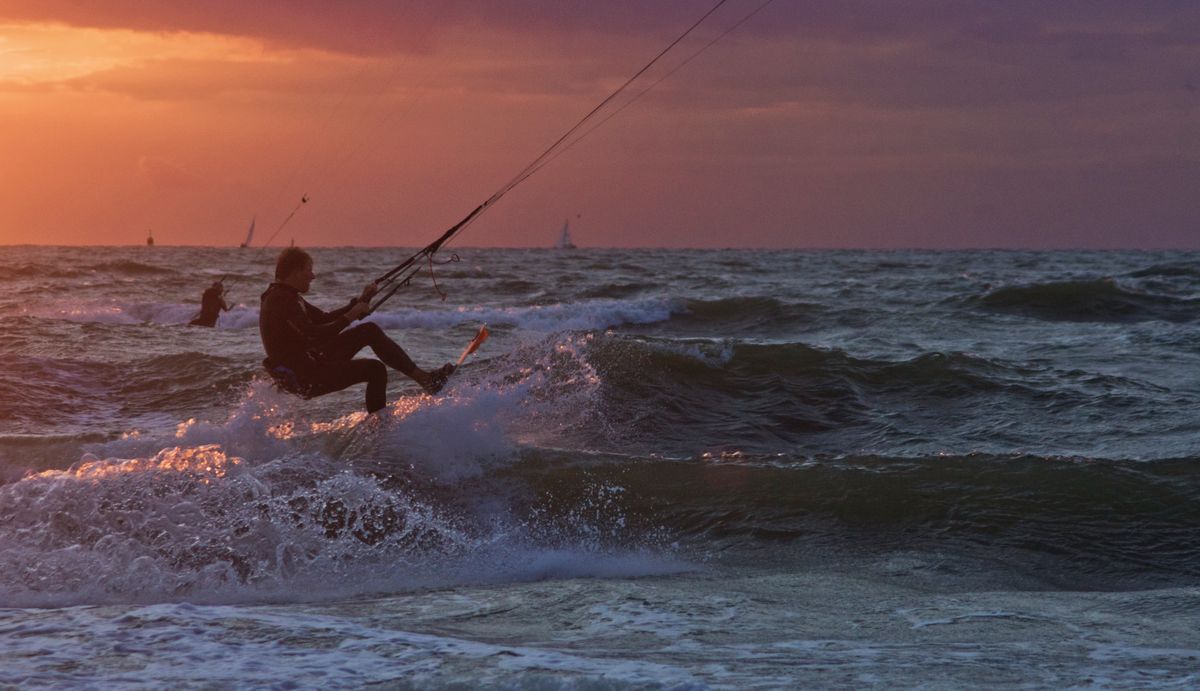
{"x": 666, "y": 469}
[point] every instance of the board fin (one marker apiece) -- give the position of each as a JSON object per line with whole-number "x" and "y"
{"x": 480, "y": 337}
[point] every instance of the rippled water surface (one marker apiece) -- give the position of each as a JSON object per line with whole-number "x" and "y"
{"x": 676, "y": 469}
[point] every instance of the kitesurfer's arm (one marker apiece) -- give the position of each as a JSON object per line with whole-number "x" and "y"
{"x": 368, "y": 292}
{"x": 352, "y": 311}
{"x": 313, "y": 323}
{"x": 317, "y": 324}
{"x": 339, "y": 318}
{"x": 358, "y": 312}
{"x": 360, "y": 306}
{"x": 316, "y": 315}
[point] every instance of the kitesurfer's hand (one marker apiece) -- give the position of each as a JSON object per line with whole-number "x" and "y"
{"x": 369, "y": 292}
{"x": 358, "y": 310}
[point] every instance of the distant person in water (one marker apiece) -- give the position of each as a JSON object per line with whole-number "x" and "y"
{"x": 311, "y": 352}
{"x": 212, "y": 303}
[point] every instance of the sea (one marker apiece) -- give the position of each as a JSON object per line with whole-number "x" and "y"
{"x": 666, "y": 469}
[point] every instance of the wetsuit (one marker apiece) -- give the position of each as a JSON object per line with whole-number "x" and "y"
{"x": 211, "y": 305}
{"x": 309, "y": 354}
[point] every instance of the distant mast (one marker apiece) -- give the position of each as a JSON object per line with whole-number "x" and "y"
{"x": 150, "y": 238}
{"x": 564, "y": 242}
{"x": 249, "y": 235}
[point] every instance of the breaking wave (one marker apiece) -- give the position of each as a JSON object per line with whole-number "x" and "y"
{"x": 280, "y": 502}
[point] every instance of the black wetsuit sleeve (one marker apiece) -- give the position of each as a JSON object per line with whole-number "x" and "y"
{"x": 316, "y": 324}
{"x": 319, "y": 316}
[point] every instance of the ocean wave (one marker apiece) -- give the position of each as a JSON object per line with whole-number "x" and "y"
{"x": 179, "y": 381}
{"x": 568, "y": 316}
{"x": 23, "y": 454}
{"x": 54, "y": 392}
{"x": 102, "y": 311}
{"x": 193, "y": 520}
{"x": 671, "y": 393}
{"x": 130, "y": 268}
{"x": 271, "y": 502}
{"x": 197, "y": 522}
{"x": 736, "y": 315}
{"x": 516, "y": 287}
{"x": 574, "y": 316}
{"x": 782, "y": 376}
{"x": 1070, "y": 522}
{"x": 744, "y": 314}
{"x": 616, "y": 290}
{"x": 1168, "y": 271}
{"x": 37, "y": 390}
{"x": 1087, "y": 300}
{"x": 37, "y": 271}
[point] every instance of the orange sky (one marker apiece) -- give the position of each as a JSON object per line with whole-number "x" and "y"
{"x": 834, "y": 124}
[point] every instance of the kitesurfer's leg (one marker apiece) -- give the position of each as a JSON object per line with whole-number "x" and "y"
{"x": 203, "y": 320}
{"x": 337, "y": 375}
{"x": 352, "y": 340}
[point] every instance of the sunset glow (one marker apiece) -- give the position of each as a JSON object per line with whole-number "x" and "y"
{"x": 50, "y": 55}
{"x": 203, "y": 463}
{"x": 807, "y": 126}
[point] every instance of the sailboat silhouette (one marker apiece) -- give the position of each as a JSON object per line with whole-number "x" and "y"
{"x": 564, "y": 242}
{"x": 249, "y": 235}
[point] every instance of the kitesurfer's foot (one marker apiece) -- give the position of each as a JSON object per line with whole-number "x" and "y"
{"x": 437, "y": 379}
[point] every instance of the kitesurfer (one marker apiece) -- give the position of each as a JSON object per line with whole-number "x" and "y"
{"x": 212, "y": 303}
{"x": 311, "y": 352}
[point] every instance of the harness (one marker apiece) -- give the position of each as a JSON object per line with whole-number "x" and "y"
{"x": 286, "y": 379}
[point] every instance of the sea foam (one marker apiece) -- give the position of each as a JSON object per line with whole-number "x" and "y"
{"x": 273, "y": 502}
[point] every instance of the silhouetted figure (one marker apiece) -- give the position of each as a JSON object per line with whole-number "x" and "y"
{"x": 212, "y": 303}
{"x": 311, "y": 352}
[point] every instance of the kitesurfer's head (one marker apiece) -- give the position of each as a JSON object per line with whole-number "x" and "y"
{"x": 294, "y": 268}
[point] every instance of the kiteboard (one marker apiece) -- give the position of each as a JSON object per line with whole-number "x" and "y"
{"x": 442, "y": 375}
{"x": 480, "y": 337}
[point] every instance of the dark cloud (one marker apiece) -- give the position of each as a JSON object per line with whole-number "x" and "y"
{"x": 943, "y": 114}
{"x": 383, "y": 25}
{"x": 353, "y": 27}
{"x": 965, "y": 54}
{"x": 361, "y": 26}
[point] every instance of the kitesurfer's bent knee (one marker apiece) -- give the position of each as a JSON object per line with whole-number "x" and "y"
{"x": 335, "y": 376}
{"x": 354, "y": 339}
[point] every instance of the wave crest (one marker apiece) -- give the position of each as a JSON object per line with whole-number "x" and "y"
{"x": 1075, "y": 522}
{"x": 1089, "y": 300}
